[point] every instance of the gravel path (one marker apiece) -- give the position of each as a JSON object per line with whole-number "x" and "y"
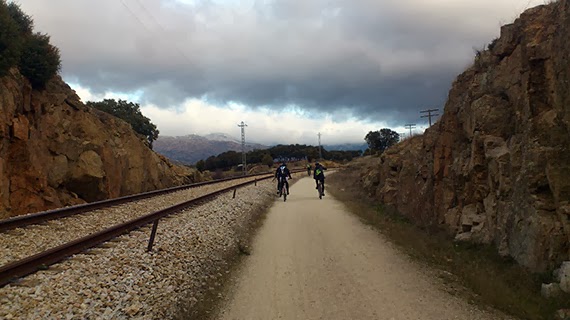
{"x": 22, "y": 242}
{"x": 313, "y": 260}
{"x": 121, "y": 280}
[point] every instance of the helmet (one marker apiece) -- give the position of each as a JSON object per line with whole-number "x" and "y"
{"x": 317, "y": 163}
{"x": 283, "y": 164}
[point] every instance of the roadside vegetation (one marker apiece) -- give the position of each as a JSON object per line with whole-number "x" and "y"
{"x": 292, "y": 153}
{"x": 380, "y": 140}
{"x": 473, "y": 271}
{"x": 227, "y": 163}
{"x": 21, "y": 47}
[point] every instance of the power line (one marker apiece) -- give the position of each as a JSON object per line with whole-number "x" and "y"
{"x": 410, "y": 126}
{"x": 242, "y": 125}
{"x": 157, "y": 23}
{"x": 150, "y": 15}
{"x": 161, "y": 27}
{"x": 135, "y": 16}
{"x": 429, "y": 114}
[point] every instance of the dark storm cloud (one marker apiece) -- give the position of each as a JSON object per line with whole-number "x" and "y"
{"x": 380, "y": 59}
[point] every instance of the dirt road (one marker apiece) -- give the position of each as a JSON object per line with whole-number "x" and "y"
{"x": 313, "y": 260}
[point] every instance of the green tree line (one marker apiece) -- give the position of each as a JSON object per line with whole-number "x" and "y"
{"x": 21, "y": 47}
{"x": 278, "y": 153}
{"x": 379, "y": 141}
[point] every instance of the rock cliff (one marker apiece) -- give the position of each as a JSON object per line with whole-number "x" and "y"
{"x": 495, "y": 168}
{"x": 55, "y": 151}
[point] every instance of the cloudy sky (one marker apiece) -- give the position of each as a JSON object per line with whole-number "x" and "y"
{"x": 288, "y": 68}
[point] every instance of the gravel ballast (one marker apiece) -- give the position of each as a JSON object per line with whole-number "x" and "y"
{"x": 23, "y": 242}
{"x": 122, "y": 280}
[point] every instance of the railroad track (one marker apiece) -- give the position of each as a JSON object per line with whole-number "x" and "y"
{"x": 98, "y": 223}
{"x": 35, "y": 218}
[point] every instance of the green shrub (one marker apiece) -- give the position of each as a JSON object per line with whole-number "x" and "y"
{"x": 267, "y": 160}
{"x": 201, "y": 165}
{"x": 131, "y": 113}
{"x": 36, "y": 58}
{"x": 40, "y": 61}
{"x": 25, "y": 22}
{"x": 10, "y": 40}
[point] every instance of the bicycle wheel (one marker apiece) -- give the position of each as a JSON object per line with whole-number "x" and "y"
{"x": 284, "y": 192}
{"x": 320, "y": 190}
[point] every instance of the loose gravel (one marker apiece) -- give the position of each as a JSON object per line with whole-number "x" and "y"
{"x": 23, "y": 242}
{"x": 121, "y": 280}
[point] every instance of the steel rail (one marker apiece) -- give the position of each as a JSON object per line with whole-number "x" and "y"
{"x": 31, "y": 264}
{"x": 35, "y": 218}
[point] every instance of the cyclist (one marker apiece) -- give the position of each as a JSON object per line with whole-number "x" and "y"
{"x": 281, "y": 174}
{"x": 319, "y": 175}
{"x": 309, "y": 169}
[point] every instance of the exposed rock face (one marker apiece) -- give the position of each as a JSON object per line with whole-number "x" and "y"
{"x": 496, "y": 168}
{"x": 55, "y": 151}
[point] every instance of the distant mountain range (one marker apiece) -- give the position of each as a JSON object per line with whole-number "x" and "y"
{"x": 191, "y": 148}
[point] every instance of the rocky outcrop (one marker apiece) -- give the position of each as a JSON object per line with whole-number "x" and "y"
{"x": 55, "y": 151}
{"x": 495, "y": 169}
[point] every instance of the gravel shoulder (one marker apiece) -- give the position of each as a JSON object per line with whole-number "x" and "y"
{"x": 313, "y": 260}
{"x": 121, "y": 280}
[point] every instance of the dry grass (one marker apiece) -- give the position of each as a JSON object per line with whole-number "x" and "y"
{"x": 491, "y": 279}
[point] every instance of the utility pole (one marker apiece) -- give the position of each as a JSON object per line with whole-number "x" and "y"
{"x": 242, "y": 125}
{"x": 320, "y": 152}
{"x": 429, "y": 115}
{"x": 410, "y": 126}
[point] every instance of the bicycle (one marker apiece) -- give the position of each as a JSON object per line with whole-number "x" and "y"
{"x": 320, "y": 189}
{"x": 283, "y": 188}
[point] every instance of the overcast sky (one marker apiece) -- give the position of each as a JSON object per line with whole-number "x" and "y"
{"x": 288, "y": 68}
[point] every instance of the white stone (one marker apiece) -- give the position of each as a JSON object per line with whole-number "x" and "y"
{"x": 550, "y": 290}
{"x": 564, "y": 276}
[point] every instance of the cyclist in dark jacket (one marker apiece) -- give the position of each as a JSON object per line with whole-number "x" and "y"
{"x": 281, "y": 174}
{"x": 319, "y": 175}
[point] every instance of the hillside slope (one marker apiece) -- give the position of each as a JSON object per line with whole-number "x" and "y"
{"x": 55, "y": 151}
{"x": 192, "y": 148}
{"x": 496, "y": 168}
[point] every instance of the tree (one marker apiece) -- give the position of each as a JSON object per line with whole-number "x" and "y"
{"x": 201, "y": 165}
{"x": 212, "y": 163}
{"x": 382, "y": 139}
{"x": 131, "y": 113}
{"x": 25, "y": 22}
{"x": 267, "y": 160}
{"x": 10, "y": 40}
{"x": 40, "y": 61}
{"x": 35, "y": 57}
